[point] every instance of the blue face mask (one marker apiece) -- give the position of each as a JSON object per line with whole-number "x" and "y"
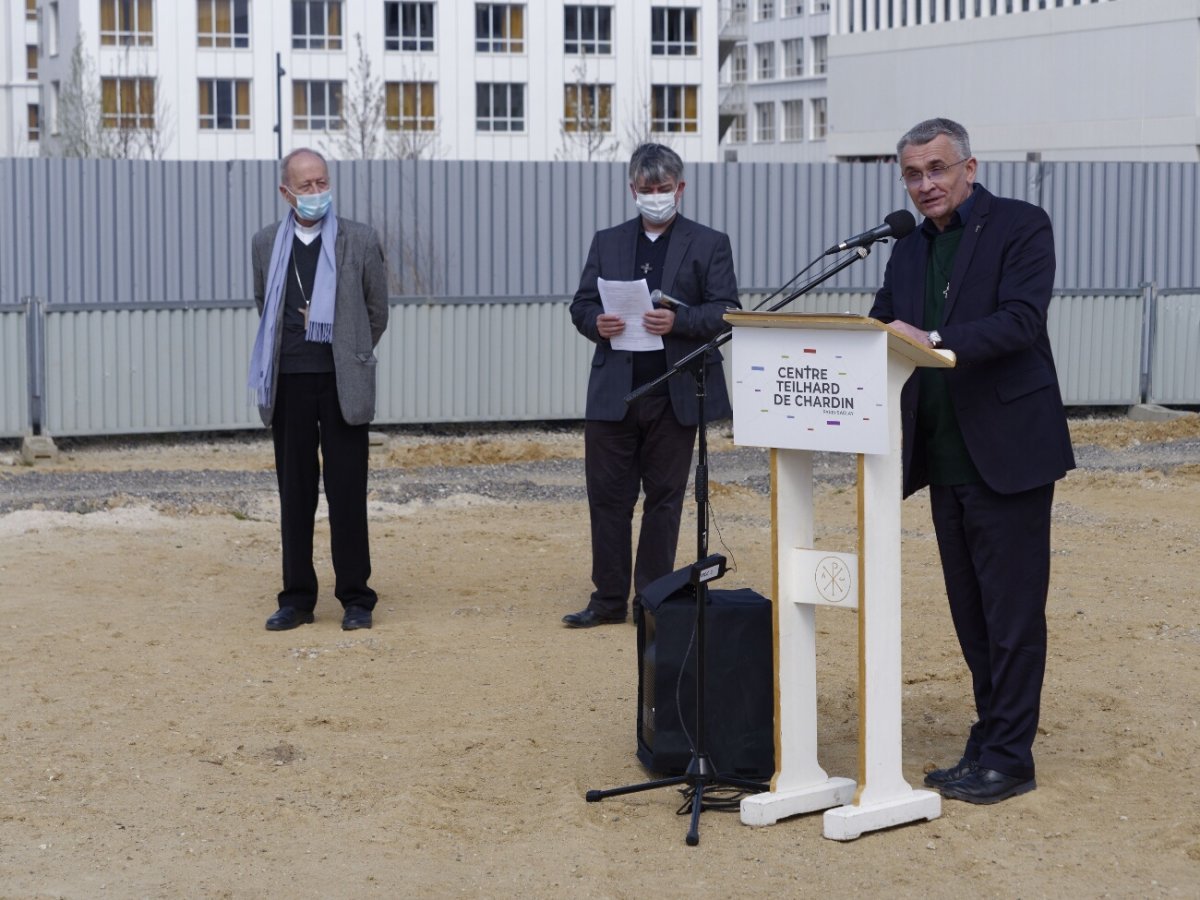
{"x": 311, "y": 207}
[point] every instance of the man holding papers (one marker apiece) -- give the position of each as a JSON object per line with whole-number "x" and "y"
{"x": 646, "y": 445}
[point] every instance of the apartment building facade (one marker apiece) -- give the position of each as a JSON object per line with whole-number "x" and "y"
{"x": 774, "y": 104}
{"x": 20, "y": 109}
{"x": 453, "y": 79}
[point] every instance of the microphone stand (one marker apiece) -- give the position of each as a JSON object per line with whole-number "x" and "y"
{"x": 700, "y": 774}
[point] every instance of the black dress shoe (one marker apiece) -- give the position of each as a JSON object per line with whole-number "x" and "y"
{"x": 356, "y": 617}
{"x": 288, "y": 617}
{"x": 938, "y": 777}
{"x": 587, "y": 618}
{"x": 982, "y": 785}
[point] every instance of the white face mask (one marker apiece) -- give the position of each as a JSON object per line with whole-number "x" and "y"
{"x": 656, "y": 208}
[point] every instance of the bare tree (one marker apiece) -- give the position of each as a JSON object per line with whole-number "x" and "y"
{"x": 85, "y": 129}
{"x": 588, "y": 134}
{"x": 362, "y": 113}
{"x": 410, "y": 143}
{"x": 80, "y": 130}
{"x": 412, "y": 128}
{"x": 639, "y": 119}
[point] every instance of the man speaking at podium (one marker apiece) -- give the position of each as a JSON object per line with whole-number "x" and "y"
{"x": 647, "y": 444}
{"x": 989, "y": 437}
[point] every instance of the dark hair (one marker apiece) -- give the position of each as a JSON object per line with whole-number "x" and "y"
{"x": 655, "y": 163}
{"x": 924, "y": 132}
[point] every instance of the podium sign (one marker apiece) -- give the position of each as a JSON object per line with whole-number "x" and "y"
{"x": 831, "y": 383}
{"x": 828, "y": 392}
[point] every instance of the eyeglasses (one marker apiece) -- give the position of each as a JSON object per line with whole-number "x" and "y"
{"x": 934, "y": 174}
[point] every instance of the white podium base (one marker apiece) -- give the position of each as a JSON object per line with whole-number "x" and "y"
{"x": 770, "y": 807}
{"x": 846, "y": 823}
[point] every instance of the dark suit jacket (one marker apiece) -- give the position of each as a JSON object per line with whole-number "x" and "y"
{"x": 360, "y": 314}
{"x": 1005, "y": 388}
{"x": 699, "y": 271}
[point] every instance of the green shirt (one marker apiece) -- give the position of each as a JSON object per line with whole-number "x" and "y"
{"x": 946, "y": 458}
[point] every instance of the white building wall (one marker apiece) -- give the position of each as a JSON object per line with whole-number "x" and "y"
{"x": 178, "y": 63}
{"x": 1115, "y": 80}
{"x": 17, "y": 91}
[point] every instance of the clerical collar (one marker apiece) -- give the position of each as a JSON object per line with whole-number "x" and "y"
{"x": 307, "y": 233}
{"x": 654, "y": 236}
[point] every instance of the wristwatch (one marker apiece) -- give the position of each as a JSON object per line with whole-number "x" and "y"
{"x": 935, "y": 339}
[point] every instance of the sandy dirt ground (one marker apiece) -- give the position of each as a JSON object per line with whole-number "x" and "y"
{"x": 156, "y": 741}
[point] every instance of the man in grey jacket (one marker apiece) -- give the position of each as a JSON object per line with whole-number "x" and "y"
{"x": 320, "y": 283}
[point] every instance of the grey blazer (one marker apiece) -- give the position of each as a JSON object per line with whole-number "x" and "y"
{"x": 360, "y": 314}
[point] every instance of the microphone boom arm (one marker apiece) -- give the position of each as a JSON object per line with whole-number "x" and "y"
{"x": 724, "y": 336}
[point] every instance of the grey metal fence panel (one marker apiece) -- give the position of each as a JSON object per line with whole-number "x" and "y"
{"x": 1102, "y": 218}
{"x": 14, "y": 372}
{"x": 133, "y": 370}
{"x": 1175, "y": 350}
{"x": 819, "y": 301}
{"x": 1096, "y": 341}
{"x": 470, "y": 361}
{"x": 129, "y": 370}
{"x": 120, "y": 231}
{"x": 1172, "y": 225}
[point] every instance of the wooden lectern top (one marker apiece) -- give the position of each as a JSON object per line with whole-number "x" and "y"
{"x": 915, "y": 353}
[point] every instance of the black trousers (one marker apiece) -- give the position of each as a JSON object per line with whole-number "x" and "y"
{"x": 995, "y": 551}
{"x": 307, "y": 418}
{"x": 647, "y": 450}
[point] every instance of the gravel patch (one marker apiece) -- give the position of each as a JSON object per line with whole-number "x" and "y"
{"x": 232, "y": 475}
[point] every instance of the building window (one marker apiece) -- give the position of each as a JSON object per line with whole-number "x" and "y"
{"x": 411, "y": 106}
{"x": 33, "y": 116}
{"x": 408, "y": 26}
{"x": 737, "y": 133}
{"x": 587, "y": 107}
{"x": 317, "y": 24}
{"x": 51, "y": 32}
{"x": 738, "y": 66}
{"x": 31, "y": 10}
{"x": 673, "y": 32}
{"x": 224, "y": 104}
{"x": 766, "y": 9}
{"x": 499, "y": 107}
{"x": 820, "y": 6}
{"x": 674, "y": 107}
{"x": 793, "y": 58}
{"x": 820, "y": 123}
{"x": 31, "y": 55}
{"x": 793, "y": 120}
{"x": 765, "y": 55}
{"x": 793, "y": 7}
{"x": 820, "y": 54}
{"x": 317, "y": 105}
{"x": 764, "y": 122}
{"x": 499, "y": 28}
{"x": 587, "y": 30}
{"x": 223, "y": 23}
{"x": 127, "y": 23}
{"x": 127, "y": 103}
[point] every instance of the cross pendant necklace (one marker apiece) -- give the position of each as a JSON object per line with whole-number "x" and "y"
{"x": 300, "y": 284}
{"x": 646, "y": 267}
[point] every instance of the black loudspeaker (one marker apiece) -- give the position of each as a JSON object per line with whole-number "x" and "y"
{"x": 739, "y": 698}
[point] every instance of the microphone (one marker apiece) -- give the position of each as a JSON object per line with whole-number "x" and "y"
{"x": 658, "y": 298}
{"x": 895, "y": 225}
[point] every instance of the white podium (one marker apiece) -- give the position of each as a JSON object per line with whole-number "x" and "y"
{"x": 803, "y": 383}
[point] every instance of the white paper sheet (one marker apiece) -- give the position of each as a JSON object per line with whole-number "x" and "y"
{"x": 630, "y": 300}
